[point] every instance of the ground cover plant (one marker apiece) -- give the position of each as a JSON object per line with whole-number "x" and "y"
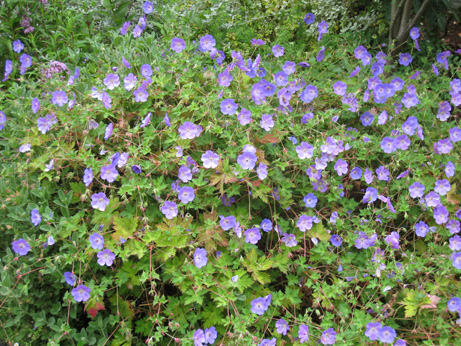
{"x": 169, "y": 191}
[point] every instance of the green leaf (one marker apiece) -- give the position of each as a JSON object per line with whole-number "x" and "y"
{"x": 124, "y": 227}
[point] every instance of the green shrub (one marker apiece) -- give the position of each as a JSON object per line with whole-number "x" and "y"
{"x": 342, "y": 251}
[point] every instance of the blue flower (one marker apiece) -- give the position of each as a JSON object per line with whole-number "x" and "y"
{"x": 70, "y": 278}
{"x": 35, "y": 217}
{"x": 310, "y": 200}
{"x": 200, "y": 258}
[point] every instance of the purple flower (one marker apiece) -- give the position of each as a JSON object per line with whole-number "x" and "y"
{"x": 136, "y": 169}
{"x": 441, "y": 214}
{"x": 305, "y": 150}
{"x": 442, "y": 58}
{"x": 106, "y": 257}
{"x": 225, "y": 78}
{"x": 169, "y": 209}
{"x": 267, "y": 122}
{"x": 148, "y": 7}
{"x": 178, "y": 45}
{"x": 289, "y": 240}
{"x": 145, "y": 121}
{"x": 130, "y": 81}
{"x": 453, "y": 226}
{"x": 43, "y": 125}
{"x": 403, "y": 142}
{"x": 35, "y": 217}
{"x": 416, "y": 190}
{"x": 454, "y": 304}
{"x": 321, "y": 54}
{"x": 405, "y": 59}
{"x": 186, "y": 194}
{"x": 360, "y": 52}
{"x": 366, "y": 119}
{"x": 266, "y": 225}
{"x": 289, "y": 67}
{"x": 137, "y": 31}
{"x": 18, "y": 46}
{"x": 140, "y": 94}
{"x": 146, "y": 70}
{"x": 112, "y": 81}
{"x": 303, "y": 64}
{"x": 96, "y": 241}
{"x": 355, "y": 72}
{"x": 377, "y": 69}
{"x": 309, "y": 94}
{"x": 303, "y": 333}
{"x": 24, "y": 148}
{"x": 340, "y": 88}
{"x": 371, "y": 194}
{"x": 444, "y": 146}
{"x": 88, "y": 176}
{"x": 81, "y": 293}
{"x": 228, "y": 107}
{"x": 356, "y": 173}
{"x": 444, "y": 111}
{"x": 252, "y": 235}
{"x": 184, "y": 174}
{"x": 210, "y": 335}
{"x": 8, "y": 69}
{"x": 309, "y": 18}
{"x": 108, "y": 132}
{"x": 310, "y": 200}
{"x": 210, "y": 159}
{"x": 304, "y": 223}
{"x": 228, "y": 222}
{"x": 59, "y": 98}
{"x": 368, "y": 175}
{"x": 99, "y": 201}
{"x": 450, "y": 169}
{"x": 257, "y": 42}
{"x": 455, "y": 134}
{"x": 26, "y": 61}
{"x": 393, "y": 240}
{"x": 382, "y": 173}
{"x": 328, "y": 337}
{"x": 109, "y": 173}
{"x": 21, "y": 247}
{"x": 207, "y": 42}
{"x": 387, "y": 335}
{"x": 281, "y": 78}
{"x": 35, "y": 105}
{"x": 199, "y": 337}
{"x": 414, "y": 33}
{"x": 260, "y": 305}
{"x": 372, "y": 331}
{"x": 421, "y": 229}
{"x": 432, "y": 199}
{"x": 322, "y": 29}
{"x": 126, "y": 63}
{"x": 200, "y": 258}
{"x": 262, "y": 171}
{"x": 247, "y": 160}
{"x": 336, "y": 240}
{"x": 278, "y": 50}
{"x": 388, "y": 145}
{"x": 341, "y": 167}
{"x": 456, "y": 257}
{"x": 189, "y": 130}
{"x": 70, "y": 278}
{"x": 125, "y": 28}
{"x": 2, "y": 120}
{"x": 455, "y": 243}
{"x": 166, "y": 119}
{"x": 282, "y": 326}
